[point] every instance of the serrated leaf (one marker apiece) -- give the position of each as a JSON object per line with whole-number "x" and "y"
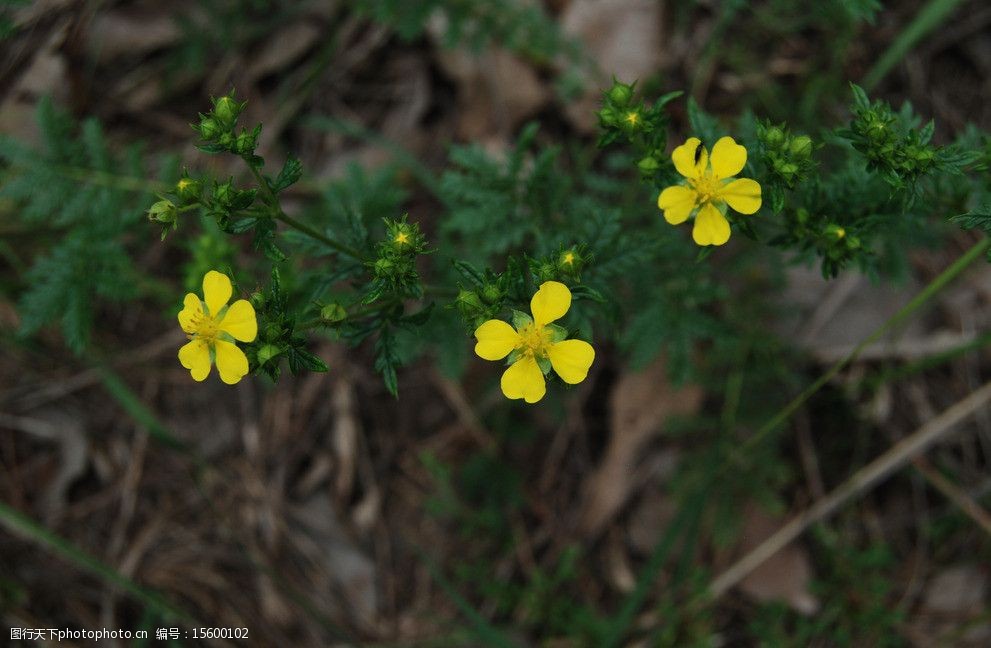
{"x": 291, "y": 172}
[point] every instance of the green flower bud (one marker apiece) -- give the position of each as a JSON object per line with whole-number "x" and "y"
{"x": 801, "y": 147}
{"x": 227, "y": 140}
{"x": 225, "y": 193}
{"x": 620, "y": 94}
{"x": 187, "y": 189}
{"x": 836, "y": 232}
{"x": 468, "y": 302}
{"x": 268, "y": 352}
{"x": 802, "y": 215}
{"x": 164, "y": 211}
{"x": 209, "y": 128}
{"x": 491, "y": 293}
{"x": 774, "y": 137}
{"x": 546, "y": 271}
{"x": 788, "y": 169}
{"x": 257, "y": 300}
{"x": 333, "y": 313}
{"x": 607, "y": 116}
{"x": 245, "y": 143}
{"x": 227, "y": 110}
{"x": 570, "y": 262}
{"x": 384, "y": 267}
{"x": 648, "y": 165}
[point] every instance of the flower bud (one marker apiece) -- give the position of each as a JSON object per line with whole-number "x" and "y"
{"x": 187, "y": 189}
{"x": 607, "y": 116}
{"x": 268, "y": 352}
{"x": 648, "y": 166}
{"x": 491, "y": 293}
{"x": 245, "y": 143}
{"x": 209, "y": 128}
{"x": 384, "y": 267}
{"x": 468, "y": 302}
{"x": 227, "y": 140}
{"x": 801, "y": 147}
{"x": 224, "y": 193}
{"x": 836, "y": 232}
{"x": 164, "y": 211}
{"x": 257, "y": 300}
{"x": 333, "y": 313}
{"x": 774, "y": 137}
{"x": 620, "y": 94}
{"x": 227, "y": 110}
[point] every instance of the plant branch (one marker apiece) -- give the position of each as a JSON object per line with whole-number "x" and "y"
{"x": 278, "y": 214}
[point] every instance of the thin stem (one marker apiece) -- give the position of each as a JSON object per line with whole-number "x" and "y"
{"x": 898, "y": 318}
{"x": 278, "y": 214}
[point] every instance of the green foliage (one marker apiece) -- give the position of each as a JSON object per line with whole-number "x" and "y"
{"x": 85, "y": 198}
{"x": 521, "y": 26}
{"x": 855, "y": 589}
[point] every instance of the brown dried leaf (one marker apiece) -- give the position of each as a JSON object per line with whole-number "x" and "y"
{"x": 784, "y": 576}
{"x": 131, "y": 32}
{"x": 641, "y": 403}
{"x": 283, "y": 48}
{"x": 496, "y": 91}
{"x": 623, "y": 37}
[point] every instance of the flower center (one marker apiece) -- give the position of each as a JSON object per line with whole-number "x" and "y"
{"x": 534, "y": 340}
{"x": 707, "y": 187}
{"x": 207, "y": 328}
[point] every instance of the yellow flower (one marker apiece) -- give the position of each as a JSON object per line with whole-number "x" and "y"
{"x": 536, "y": 345}
{"x": 709, "y": 188}
{"x": 212, "y": 326}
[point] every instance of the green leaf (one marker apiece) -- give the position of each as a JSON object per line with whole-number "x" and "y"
{"x": 387, "y": 360}
{"x": 291, "y": 172}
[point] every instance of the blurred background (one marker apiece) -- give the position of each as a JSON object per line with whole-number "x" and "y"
{"x": 322, "y": 511}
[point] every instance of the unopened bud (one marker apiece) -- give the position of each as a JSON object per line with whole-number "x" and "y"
{"x": 333, "y": 313}
{"x": 801, "y": 147}
{"x": 164, "y": 211}
{"x": 648, "y": 165}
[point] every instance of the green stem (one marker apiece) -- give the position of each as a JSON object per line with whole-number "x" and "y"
{"x": 280, "y": 215}
{"x": 898, "y": 318}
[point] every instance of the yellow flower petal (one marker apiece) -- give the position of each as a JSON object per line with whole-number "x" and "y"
{"x": 240, "y": 322}
{"x": 677, "y": 203}
{"x": 550, "y": 303}
{"x": 688, "y": 160}
{"x": 216, "y": 291}
{"x": 496, "y": 339}
{"x": 728, "y": 158}
{"x": 192, "y": 310}
{"x": 195, "y": 356}
{"x": 742, "y": 195}
{"x": 711, "y": 227}
{"x": 571, "y": 360}
{"x": 524, "y": 380}
{"x": 232, "y": 364}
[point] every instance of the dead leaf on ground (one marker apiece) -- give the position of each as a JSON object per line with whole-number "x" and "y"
{"x": 785, "y": 576}
{"x": 497, "y": 90}
{"x": 130, "y": 32}
{"x": 622, "y": 37}
{"x": 640, "y": 403}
